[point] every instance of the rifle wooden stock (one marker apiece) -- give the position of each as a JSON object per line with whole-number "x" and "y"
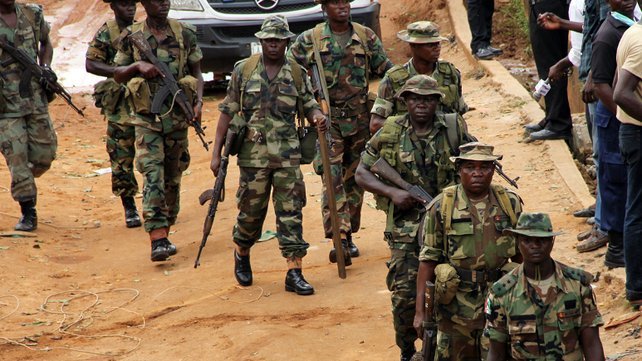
{"x": 429, "y": 345}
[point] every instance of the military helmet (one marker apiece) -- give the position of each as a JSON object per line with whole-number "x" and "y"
{"x": 421, "y": 32}
{"x": 420, "y": 84}
{"x": 533, "y": 225}
{"x": 476, "y": 151}
{"x": 275, "y": 27}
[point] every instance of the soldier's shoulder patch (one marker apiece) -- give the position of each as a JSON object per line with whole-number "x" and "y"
{"x": 504, "y": 284}
{"x": 577, "y": 274}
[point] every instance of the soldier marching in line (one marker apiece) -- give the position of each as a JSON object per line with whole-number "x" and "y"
{"x": 266, "y": 92}
{"x": 110, "y": 97}
{"x": 350, "y": 52}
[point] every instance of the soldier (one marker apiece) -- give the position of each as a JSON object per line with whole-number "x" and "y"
{"x": 416, "y": 144}
{"x": 161, "y": 140}
{"x": 267, "y": 92}
{"x": 425, "y": 46}
{"x": 110, "y": 96}
{"x": 543, "y": 309}
{"x": 27, "y": 138}
{"x": 465, "y": 252}
{"x": 350, "y": 52}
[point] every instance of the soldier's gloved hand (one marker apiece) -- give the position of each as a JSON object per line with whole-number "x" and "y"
{"x": 402, "y": 199}
{"x": 417, "y": 323}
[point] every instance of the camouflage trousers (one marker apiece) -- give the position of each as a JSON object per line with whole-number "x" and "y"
{"x": 121, "y": 150}
{"x": 161, "y": 159}
{"x": 345, "y": 155}
{"x": 288, "y": 198}
{"x": 29, "y": 146}
{"x": 402, "y": 283}
{"x": 459, "y": 343}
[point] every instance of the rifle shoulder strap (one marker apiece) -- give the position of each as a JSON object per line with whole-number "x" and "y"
{"x": 316, "y": 44}
{"x": 246, "y": 72}
{"x": 177, "y": 29}
{"x": 504, "y": 202}
{"x": 297, "y": 74}
{"x": 33, "y": 13}
{"x": 453, "y": 131}
{"x": 447, "y": 205}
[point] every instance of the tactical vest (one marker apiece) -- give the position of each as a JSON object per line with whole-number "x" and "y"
{"x": 177, "y": 29}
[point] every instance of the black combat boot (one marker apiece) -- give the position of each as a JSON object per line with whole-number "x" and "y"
{"x": 407, "y": 355}
{"x": 29, "y": 220}
{"x": 352, "y": 248}
{"x": 615, "y": 253}
{"x": 346, "y": 253}
{"x": 242, "y": 269}
{"x": 161, "y": 249}
{"x": 294, "y": 282}
{"x": 132, "y": 219}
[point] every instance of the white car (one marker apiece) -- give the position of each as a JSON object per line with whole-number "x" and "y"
{"x": 225, "y": 28}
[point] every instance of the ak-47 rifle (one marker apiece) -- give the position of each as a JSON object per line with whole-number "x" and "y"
{"x": 325, "y": 139}
{"x": 500, "y": 171}
{"x": 45, "y": 76}
{"x": 215, "y": 195}
{"x": 385, "y": 171}
{"x": 429, "y": 325}
{"x": 170, "y": 87}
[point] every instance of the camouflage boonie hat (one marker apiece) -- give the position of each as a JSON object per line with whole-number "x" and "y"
{"x": 533, "y": 225}
{"x": 420, "y": 84}
{"x": 476, "y": 151}
{"x": 275, "y": 27}
{"x": 421, "y": 32}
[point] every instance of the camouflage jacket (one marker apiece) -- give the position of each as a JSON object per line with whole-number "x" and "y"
{"x": 447, "y": 76}
{"x": 168, "y": 51}
{"x": 419, "y": 160}
{"x": 543, "y": 330}
{"x": 26, "y": 37}
{"x": 345, "y": 73}
{"x": 471, "y": 244}
{"x": 269, "y": 108}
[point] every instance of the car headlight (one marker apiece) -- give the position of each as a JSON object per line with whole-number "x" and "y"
{"x": 191, "y": 5}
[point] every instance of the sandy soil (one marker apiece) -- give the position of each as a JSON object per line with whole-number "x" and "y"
{"x": 82, "y": 287}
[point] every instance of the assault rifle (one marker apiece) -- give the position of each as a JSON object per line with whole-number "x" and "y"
{"x": 500, "y": 171}
{"x": 45, "y": 76}
{"x": 385, "y": 171}
{"x": 429, "y": 325}
{"x": 170, "y": 87}
{"x": 215, "y": 195}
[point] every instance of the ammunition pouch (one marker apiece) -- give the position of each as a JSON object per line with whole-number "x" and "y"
{"x": 108, "y": 94}
{"x": 238, "y": 126}
{"x": 479, "y": 276}
{"x": 188, "y": 85}
{"x": 308, "y": 142}
{"x": 446, "y": 283}
{"x": 140, "y": 95}
{"x": 371, "y": 101}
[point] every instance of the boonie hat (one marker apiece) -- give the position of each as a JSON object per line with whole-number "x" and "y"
{"x": 533, "y": 225}
{"x": 421, "y": 32}
{"x": 476, "y": 151}
{"x": 420, "y": 84}
{"x": 275, "y": 27}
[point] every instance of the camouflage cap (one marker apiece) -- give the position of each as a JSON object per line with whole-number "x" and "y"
{"x": 420, "y": 84}
{"x": 275, "y": 27}
{"x": 476, "y": 151}
{"x": 421, "y": 32}
{"x": 533, "y": 225}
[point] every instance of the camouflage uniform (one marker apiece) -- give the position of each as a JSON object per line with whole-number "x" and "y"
{"x": 27, "y": 137}
{"x": 474, "y": 243}
{"x": 270, "y": 155}
{"x": 161, "y": 141}
{"x": 422, "y": 160}
{"x": 120, "y": 132}
{"x": 539, "y": 330}
{"x": 446, "y": 74}
{"x": 347, "y": 82}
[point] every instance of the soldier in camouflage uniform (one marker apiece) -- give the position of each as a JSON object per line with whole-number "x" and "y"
{"x": 350, "y": 52}
{"x": 417, "y": 146}
{"x": 465, "y": 252}
{"x": 267, "y": 102}
{"x": 161, "y": 140}
{"x": 27, "y": 138}
{"x": 120, "y": 132}
{"x": 425, "y": 46}
{"x": 543, "y": 309}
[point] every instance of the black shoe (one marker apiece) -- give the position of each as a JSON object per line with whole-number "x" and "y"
{"x": 585, "y": 213}
{"x": 615, "y": 253}
{"x": 333, "y": 254}
{"x": 494, "y": 50}
{"x": 132, "y": 219}
{"x": 242, "y": 269}
{"x": 530, "y": 128}
{"x": 352, "y": 248}
{"x": 294, "y": 282}
{"x": 29, "y": 220}
{"x": 161, "y": 249}
{"x": 546, "y": 134}
{"x": 484, "y": 54}
{"x": 408, "y": 355}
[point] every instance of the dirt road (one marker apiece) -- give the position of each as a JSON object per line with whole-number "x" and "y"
{"x": 83, "y": 287}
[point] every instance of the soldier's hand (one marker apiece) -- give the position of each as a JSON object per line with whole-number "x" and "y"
{"x": 215, "y": 164}
{"x": 148, "y": 70}
{"x": 321, "y": 122}
{"x": 198, "y": 111}
{"x": 417, "y": 323}
{"x": 402, "y": 199}
{"x": 548, "y": 21}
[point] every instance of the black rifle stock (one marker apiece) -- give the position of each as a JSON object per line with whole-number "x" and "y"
{"x": 324, "y": 141}
{"x": 215, "y": 195}
{"x": 45, "y": 76}
{"x": 429, "y": 325}
{"x": 170, "y": 87}
{"x": 385, "y": 171}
